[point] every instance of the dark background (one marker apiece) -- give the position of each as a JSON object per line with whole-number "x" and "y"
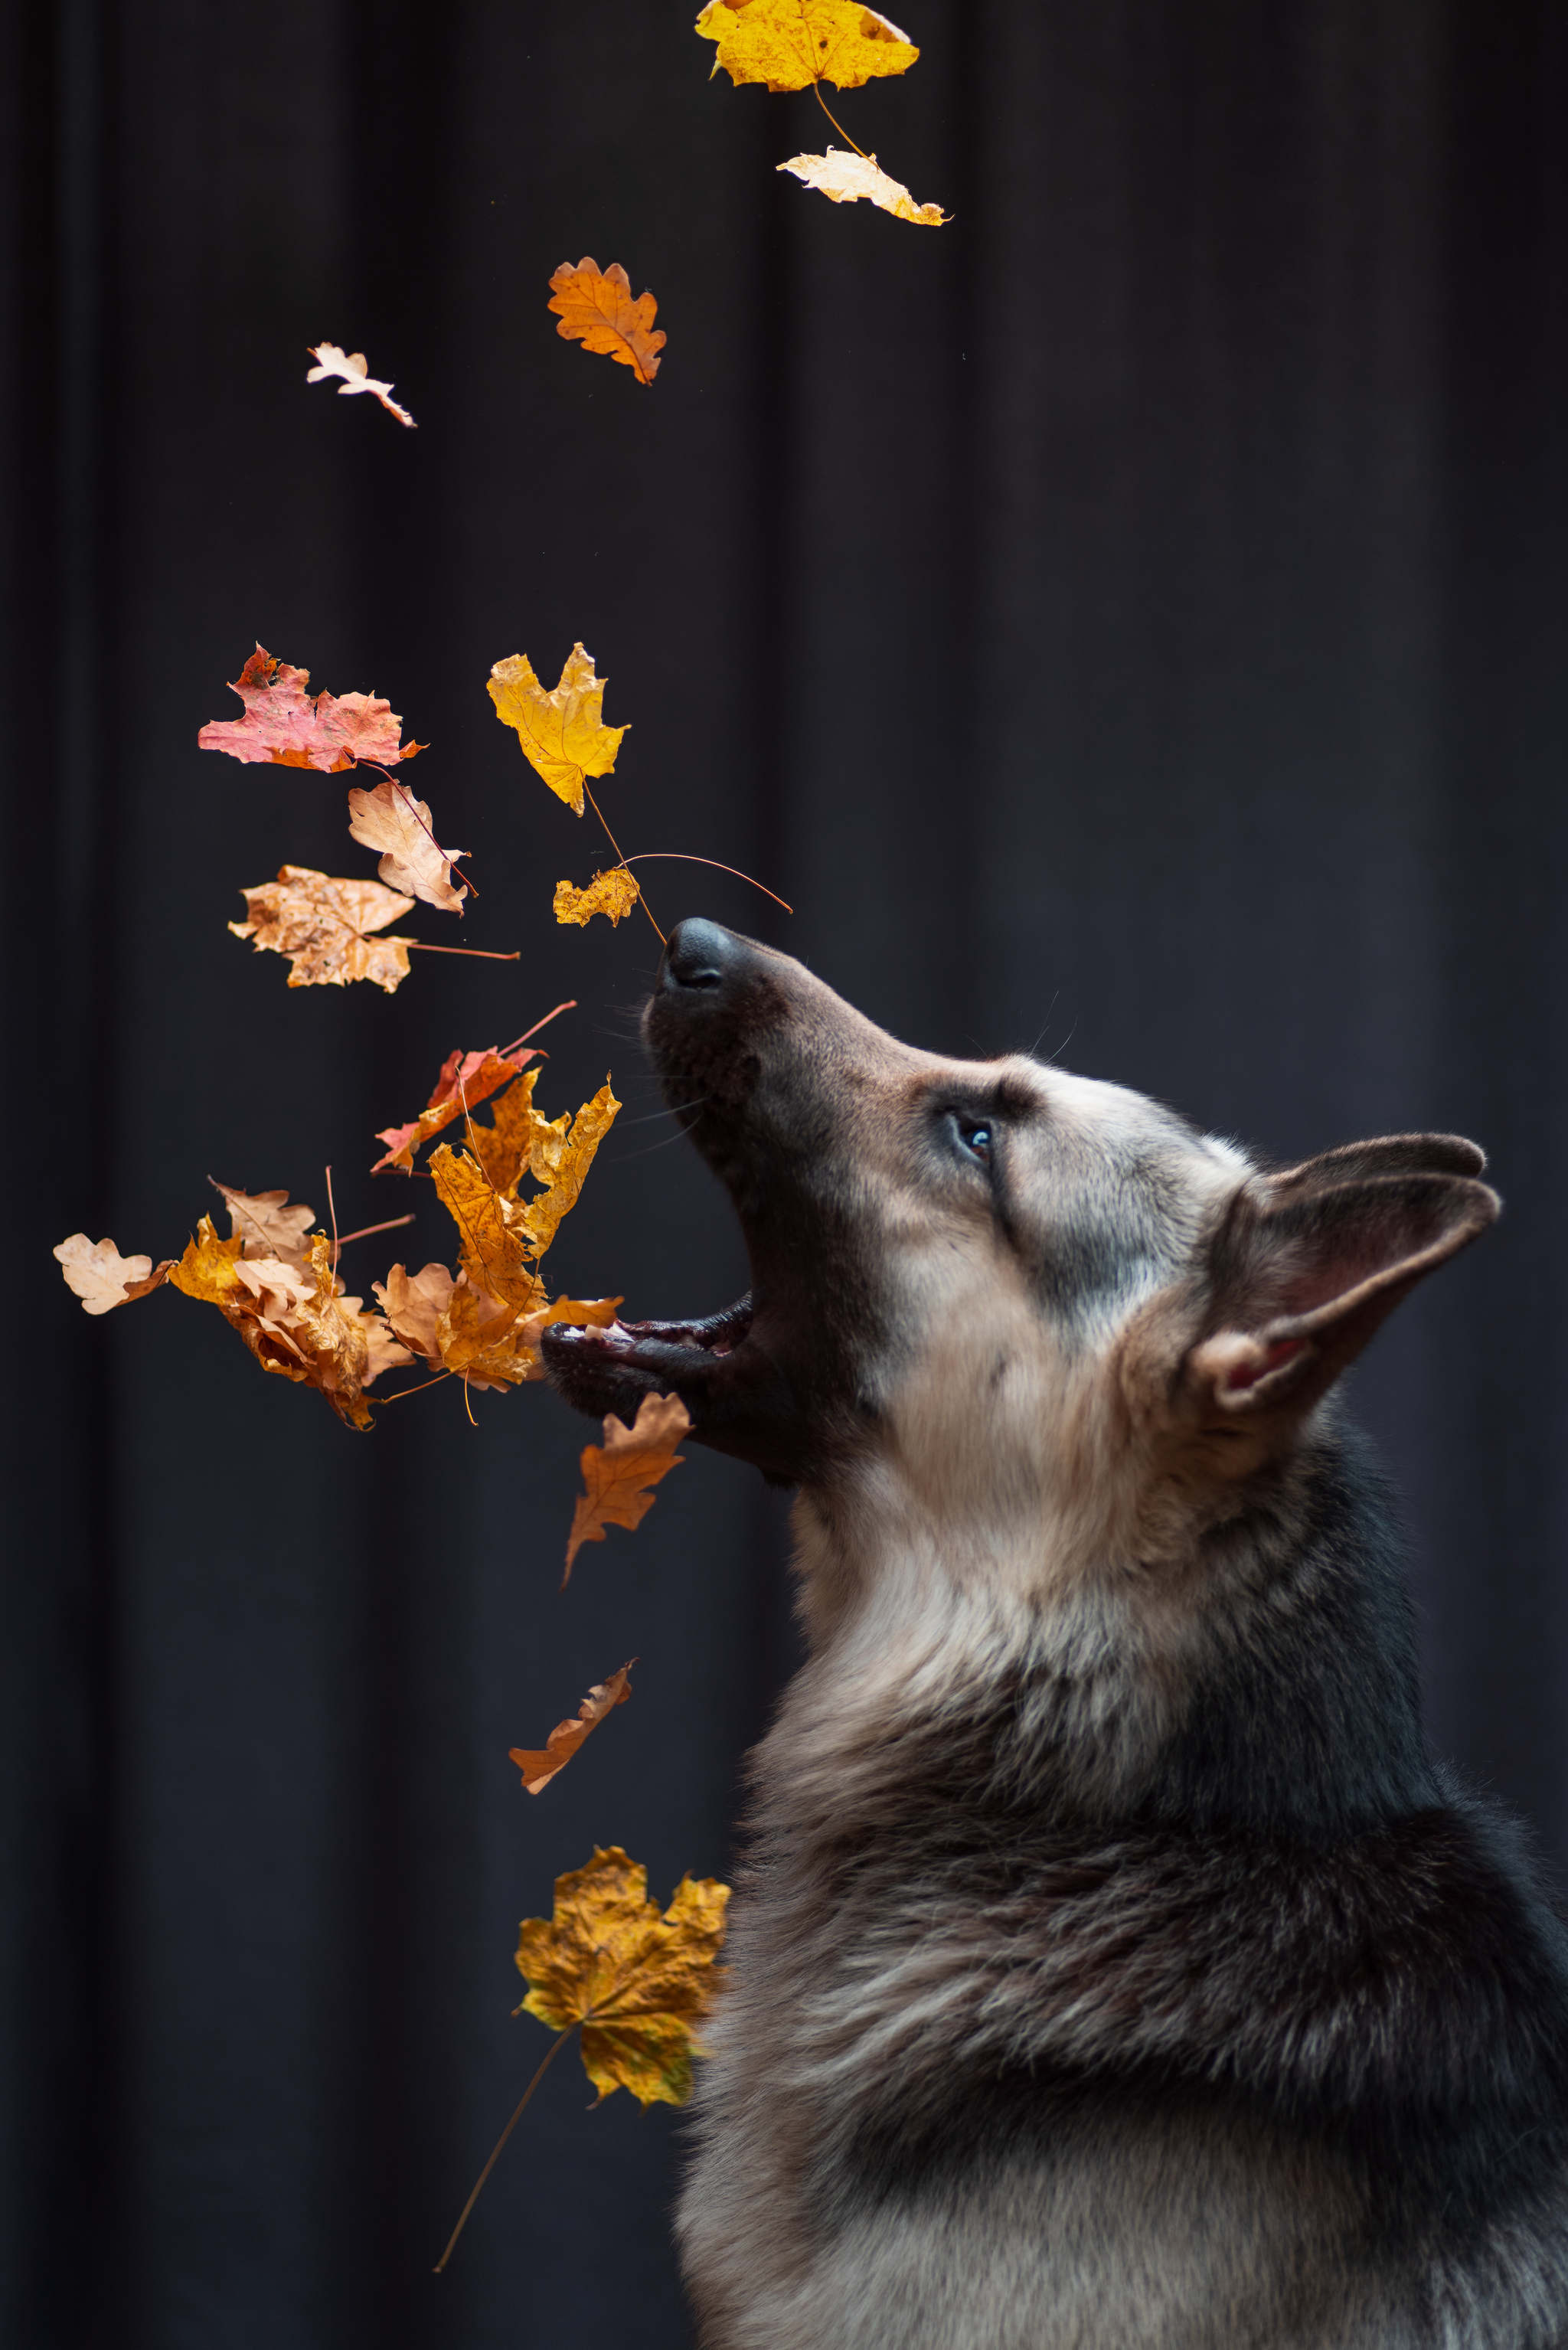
{"x": 1129, "y": 619}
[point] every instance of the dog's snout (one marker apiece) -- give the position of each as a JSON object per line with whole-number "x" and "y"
{"x": 700, "y": 958}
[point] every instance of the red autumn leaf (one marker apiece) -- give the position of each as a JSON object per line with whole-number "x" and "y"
{"x": 470, "y": 1078}
{"x": 286, "y": 727}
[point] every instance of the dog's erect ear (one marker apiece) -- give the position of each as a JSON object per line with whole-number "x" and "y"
{"x": 1308, "y": 1265}
{"x": 1389, "y": 1154}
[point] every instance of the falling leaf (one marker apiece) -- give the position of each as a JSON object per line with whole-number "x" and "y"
{"x": 539, "y": 1767}
{"x": 295, "y": 1318}
{"x": 322, "y": 925}
{"x": 618, "y": 1472}
{"x": 465, "y": 1078}
{"x": 560, "y": 1156}
{"x": 357, "y": 376}
{"x": 496, "y": 1249}
{"x": 413, "y": 1306}
{"x": 614, "y": 893}
{"x": 595, "y": 309}
{"x": 265, "y": 1225}
{"x": 790, "y": 43}
{"x": 102, "y": 1278}
{"x": 285, "y": 727}
{"x": 845, "y": 179}
{"x": 638, "y": 1983}
{"x": 503, "y": 1148}
{"x": 391, "y": 819}
{"x": 561, "y": 731}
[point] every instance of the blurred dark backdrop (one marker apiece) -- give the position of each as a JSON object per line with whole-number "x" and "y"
{"x": 1129, "y": 620}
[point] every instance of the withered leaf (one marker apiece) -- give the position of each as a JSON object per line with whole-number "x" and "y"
{"x": 465, "y": 1078}
{"x": 540, "y": 1765}
{"x": 614, "y": 893}
{"x": 265, "y": 1225}
{"x": 790, "y": 43}
{"x": 845, "y": 179}
{"x": 496, "y": 1250}
{"x": 638, "y": 1983}
{"x": 295, "y": 1318}
{"x": 352, "y": 366}
{"x": 560, "y": 1154}
{"x": 102, "y": 1278}
{"x": 322, "y": 925}
{"x": 391, "y": 820}
{"x": 285, "y": 727}
{"x": 561, "y": 731}
{"x": 618, "y": 1473}
{"x": 595, "y": 309}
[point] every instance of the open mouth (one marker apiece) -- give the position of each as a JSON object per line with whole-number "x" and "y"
{"x": 663, "y": 1355}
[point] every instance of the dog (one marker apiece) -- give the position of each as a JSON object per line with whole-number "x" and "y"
{"x": 1112, "y": 1966}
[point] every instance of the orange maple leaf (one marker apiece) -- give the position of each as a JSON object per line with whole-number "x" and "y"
{"x": 466, "y": 1078}
{"x": 285, "y": 727}
{"x": 539, "y": 1765}
{"x": 618, "y": 1472}
{"x": 391, "y": 819}
{"x": 595, "y": 309}
{"x": 322, "y": 924}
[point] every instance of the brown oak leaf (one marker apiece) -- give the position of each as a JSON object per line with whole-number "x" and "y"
{"x": 283, "y": 726}
{"x": 102, "y": 1278}
{"x": 617, "y": 1473}
{"x": 391, "y": 820}
{"x": 540, "y": 1765}
{"x": 595, "y": 309}
{"x": 322, "y": 925}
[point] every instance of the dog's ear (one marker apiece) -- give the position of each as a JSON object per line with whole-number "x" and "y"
{"x": 1387, "y": 1154}
{"x": 1307, "y": 1266}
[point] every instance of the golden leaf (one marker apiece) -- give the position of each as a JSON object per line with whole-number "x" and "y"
{"x": 561, "y": 731}
{"x": 616, "y": 1474}
{"x": 502, "y": 1148}
{"x": 102, "y": 1278}
{"x": 391, "y": 820}
{"x": 845, "y": 179}
{"x": 790, "y": 43}
{"x": 465, "y": 1078}
{"x": 495, "y": 1246}
{"x": 206, "y": 1270}
{"x": 540, "y": 1765}
{"x": 614, "y": 893}
{"x": 638, "y": 1983}
{"x": 595, "y": 309}
{"x": 321, "y": 924}
{"x": 562, "y": 1161}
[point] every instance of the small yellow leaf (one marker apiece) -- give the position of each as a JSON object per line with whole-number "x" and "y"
{"x": 614, "y": 893}
{"x": 561, "y": 731}
{"x": 638, "y": 1983}
{"x": 790, "y": 43}
{"x": 846, "y": 179}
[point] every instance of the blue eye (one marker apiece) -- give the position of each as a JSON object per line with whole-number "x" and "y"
{"x": 976, "y": 1138}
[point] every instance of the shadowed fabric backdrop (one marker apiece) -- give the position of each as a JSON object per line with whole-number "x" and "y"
{"x": 1131, "y": 620}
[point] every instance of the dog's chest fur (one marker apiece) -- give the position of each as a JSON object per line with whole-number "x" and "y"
{"x": 1032, "y": 2042}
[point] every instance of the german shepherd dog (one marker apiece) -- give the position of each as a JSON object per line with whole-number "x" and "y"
{"x": 1112, "y": 1967}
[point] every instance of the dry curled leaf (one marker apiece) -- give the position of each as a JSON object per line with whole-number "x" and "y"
{"x": 497, "y": 1252}
{"x": 295, "y": 1318}
{"x": 614, "y": 893}
{"x": 539, "y": 1765}
{"x": 790, "y": 43}
{"x": 355, "y": 371}
{"x": 391, "y": 820}
{"x": 561, "y": 731}
{"x": 323, "y": 925}
{"x": 265, "y": 1225}
{"x": 465, "y": 1079}
{"x": 283, "y": 726}
{"x": 638, "y": 1983}
{"x": 618, "y": 1473}
{"x": 560, "y": 1154}
{"x": 595, "y": 309}
{"x": 846, "y": 179}
{"x": 102, "y": 1278}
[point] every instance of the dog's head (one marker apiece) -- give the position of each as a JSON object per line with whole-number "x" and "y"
{"x": 994, "y": 1286}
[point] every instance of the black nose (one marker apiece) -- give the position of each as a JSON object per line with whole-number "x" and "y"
{"x": 700, "y": 956}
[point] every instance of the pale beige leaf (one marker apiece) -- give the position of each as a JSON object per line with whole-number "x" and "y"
{"x": 847, "y": 179}
{"x": 265, "y": 1225}
{"x": 354, "y": 368}
{"x": 390, "y": 820}
{"x": 322, "y": 924}
{"x": 102, "y": 1278}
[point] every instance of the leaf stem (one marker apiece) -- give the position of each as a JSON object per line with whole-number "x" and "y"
{"x": 398, "y": 1393}
{"x": 365, "y": 1230}
{"x": 488, "y": 953}
{"x": 557, "y": 2045}
{"x": 681, "y": 856}
{"x": 449, "y": 857}
{"x": 615, "y": 846}
{"x": 838, "y": 126}
{"x": 570, "y": 1005}
{"x": 332, "y": 1212}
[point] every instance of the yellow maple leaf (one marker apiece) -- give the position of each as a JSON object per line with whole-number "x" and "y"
{"x": 502, "y": 1148}
{"x": 496, "y": 1248}
{"x": 790, "y": 43}
{"x": 638, "y": 1982}
{"x": 562, "y": 1161}
{"x": 614, "y": 893}
{"x": 846, "y": 179}
{"x": 561, "y": 731}
{"x": 617, "y": 1473}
